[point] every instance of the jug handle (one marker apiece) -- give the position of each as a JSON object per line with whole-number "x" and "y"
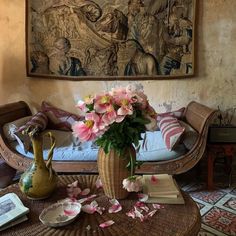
{"x": 50, "y": 154}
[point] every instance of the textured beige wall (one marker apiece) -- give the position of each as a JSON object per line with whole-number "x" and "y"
{"x": 213, "y": 85}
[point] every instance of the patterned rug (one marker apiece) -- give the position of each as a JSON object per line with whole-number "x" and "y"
{"x": 217, "y": 208}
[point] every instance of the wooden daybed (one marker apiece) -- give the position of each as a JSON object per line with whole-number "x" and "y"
{"x": 197, "y": 115}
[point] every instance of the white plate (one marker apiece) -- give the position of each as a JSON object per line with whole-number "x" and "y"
{"x": 60, "y": 214}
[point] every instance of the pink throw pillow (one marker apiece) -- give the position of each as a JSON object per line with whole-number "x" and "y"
{"x": 59, "y": 119}
{"x": 171, "y": 131}
{"x": 176, "y": 114}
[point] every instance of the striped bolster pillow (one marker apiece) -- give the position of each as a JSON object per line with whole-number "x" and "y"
{"x": 39, "y": 120}
{"x": 171, "y": 131}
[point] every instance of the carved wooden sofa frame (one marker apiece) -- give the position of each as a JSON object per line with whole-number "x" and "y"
{"x": 197, "y": 115}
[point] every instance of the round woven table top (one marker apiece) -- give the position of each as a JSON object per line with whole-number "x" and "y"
{"x": 169, "y": 221}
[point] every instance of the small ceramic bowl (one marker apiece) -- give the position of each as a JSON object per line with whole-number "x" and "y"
{"x": 60, "y": 214}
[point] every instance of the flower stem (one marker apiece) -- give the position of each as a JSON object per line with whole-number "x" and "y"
{"x": 131, "y": 163}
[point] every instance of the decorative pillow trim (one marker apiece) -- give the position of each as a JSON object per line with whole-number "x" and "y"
{"x": 176, "y": 114}
{"x": 171, "y": 131}
{"x": 39, "y": 120}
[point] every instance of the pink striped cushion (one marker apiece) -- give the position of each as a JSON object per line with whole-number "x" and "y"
{"x": 58, "y": 118}
{"x": 177, "y": 114}
{"x": 171, "y": 131}
{"x": 39, "y": 120}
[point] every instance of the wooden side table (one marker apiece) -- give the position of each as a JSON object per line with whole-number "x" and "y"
{"x": 221, "y": 139}
{"x": 172, "y": 220}
{"x": 212, "y": 153}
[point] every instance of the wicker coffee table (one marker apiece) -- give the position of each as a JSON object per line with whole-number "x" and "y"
{"x": 169, "y": 221}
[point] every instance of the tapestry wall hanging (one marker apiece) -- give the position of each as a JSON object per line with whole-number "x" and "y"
{"x": 108, "y": 40}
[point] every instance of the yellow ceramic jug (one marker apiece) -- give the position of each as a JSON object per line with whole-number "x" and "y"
{"x": 39, "y": 180}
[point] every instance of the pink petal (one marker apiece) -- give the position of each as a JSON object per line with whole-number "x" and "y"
{"x": 157, "y": 206}
{"x": 142, "y": 206}
{"x": 151, "y": 213}
{"x": 86, "y": 199}
{"x": 98, "y": 183}
{"x": 100, "y": 210}
{"x": 88, "y": 209}
{"x": 131, "y": 214}
{"x": 74, "y": 184}
{"x": 107, "y": 224}
{"x": 70, "y": 212}
{"x": 142, "y": 197}
{"x": 154, "y": 179}
{"x": 85, "y": 191}
{"x": 138, "y": 213}
{"x": 115, "y": 208}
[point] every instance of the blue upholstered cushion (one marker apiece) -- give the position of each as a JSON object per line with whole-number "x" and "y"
{"x": 68, "y": 149}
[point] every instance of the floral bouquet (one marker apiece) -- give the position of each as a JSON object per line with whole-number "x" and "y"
{"x": 115, "y": 119}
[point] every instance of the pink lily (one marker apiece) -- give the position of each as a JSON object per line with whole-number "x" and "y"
{"x": 107, "y": 224}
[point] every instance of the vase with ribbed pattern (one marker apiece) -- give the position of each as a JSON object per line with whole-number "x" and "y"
{"x": 112, "y": 169}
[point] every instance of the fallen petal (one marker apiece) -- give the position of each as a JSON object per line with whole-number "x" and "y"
{"x": 131, "y": 214}
{"x": 142, "y": 206}
{"x": 70, "y": 212}
{"x": 74, "y": 184}
{"x": 85, "y": 191}
{"x": 107, "y": 224}
{"x": 116, "y": 207}
{"x": 98, "y": 183}
{"x": 142, "y": 197}
{"x": 151, "y": 213}
{"x": 86, "y": 199}
{"x": 157, "y": 206}
{"x": 154, "y": 179}
{"x": 88, "y": 209}
{"x": 100, "y": 210}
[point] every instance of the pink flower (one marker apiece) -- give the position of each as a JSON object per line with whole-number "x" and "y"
{"x": 133, "y": 184}
{"x": 110, "y": 116}
{"x": 84, "y": 130}
{"x": 89, "y": 129}
{"x": 82, "y": 106}
{"x": 102, "y": 103}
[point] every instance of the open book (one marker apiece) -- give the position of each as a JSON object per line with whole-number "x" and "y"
{"x": 12, "y": 211}
{"x": 164, "y": 190}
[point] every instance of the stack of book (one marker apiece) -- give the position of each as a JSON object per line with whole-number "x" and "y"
{"x": 163, "y": 190}
{"x": 12, "y": 211}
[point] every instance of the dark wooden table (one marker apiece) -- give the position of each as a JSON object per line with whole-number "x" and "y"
{"x": 169, "y": 221}
{"x": 213, "y": 150}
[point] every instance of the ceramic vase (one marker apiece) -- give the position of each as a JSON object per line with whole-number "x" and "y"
{"x": 39, "y": 180}
{"x": 113, "y": 170}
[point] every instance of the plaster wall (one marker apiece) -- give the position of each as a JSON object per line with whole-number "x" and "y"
{"x": 213, "y": 85}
